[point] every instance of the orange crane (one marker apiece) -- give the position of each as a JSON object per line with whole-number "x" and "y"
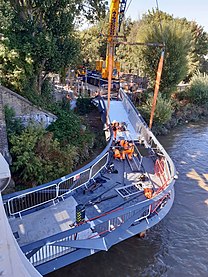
{"x": 117, "y": 9}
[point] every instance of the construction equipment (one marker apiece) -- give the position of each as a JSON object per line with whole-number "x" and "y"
{"x": 117, "y": 9}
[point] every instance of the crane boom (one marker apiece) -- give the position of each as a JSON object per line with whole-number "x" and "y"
{"x": 112, "y": 33}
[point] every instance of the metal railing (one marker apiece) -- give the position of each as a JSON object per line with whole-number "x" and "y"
{"x": 99, "y": 165}
{"x": 74, "y": 182}
{"x": 32, "y": 199}
{"x": 40, "y": 196}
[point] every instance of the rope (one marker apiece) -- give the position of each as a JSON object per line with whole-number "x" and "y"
{"x": 128, "y": 6}
{"x": 159, "y": 72}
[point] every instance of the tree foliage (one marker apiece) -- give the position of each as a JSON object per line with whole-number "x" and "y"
{"x": 13, "y": 124}
{"x": 38, "y": 157}
{"x": 176, "y": 38}
{"x": 41, "y": 36}
{"x": 42, "y": 155}
{"x": 185, "y": 44}
{"x": 93, "y": 45}
{"x": 163, "y": 110}
{"x": 198, "y": 91}
{"x": 68, "y": 129}
{"x": 199, "y": 49}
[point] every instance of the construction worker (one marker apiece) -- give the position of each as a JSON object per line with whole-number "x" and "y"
{"x": 130, "y": 150}
{"x": 117, "y": 154}
{"x": 148, "y": 192}
{"x": 115, "y": 127}
{"x": 124, "y": 147}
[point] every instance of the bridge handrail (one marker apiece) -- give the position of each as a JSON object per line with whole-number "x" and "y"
{"x": 148, "y": 133}
{"x": 25, "y": 198}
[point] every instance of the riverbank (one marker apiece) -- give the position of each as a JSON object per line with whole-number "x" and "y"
{"x": 183, "y": 114}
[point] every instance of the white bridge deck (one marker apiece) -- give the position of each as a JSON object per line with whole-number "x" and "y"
{"x": 118, "y": 113}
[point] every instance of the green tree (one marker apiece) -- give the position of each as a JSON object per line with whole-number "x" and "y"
{"x": 38, "y": 158}
{"x": 41, "y": 36}
{"x": 163, "y": 110}
{"x": 199, "y": 49}
{"x": 91, "y": 41}
{"x": 198, "y": 91}
{"x": 162, "y": 28}
{"x": 186, "y": 48}
{"x": 68, "y": 129}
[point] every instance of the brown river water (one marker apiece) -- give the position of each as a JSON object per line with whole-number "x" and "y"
{"x": 178, "y": 245}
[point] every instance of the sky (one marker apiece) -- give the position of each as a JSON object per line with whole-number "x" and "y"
{"x": 196, "y": 10}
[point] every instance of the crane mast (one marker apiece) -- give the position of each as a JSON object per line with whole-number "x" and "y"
{"x": 115, "y": 19}
{"x": 112, "y": 32}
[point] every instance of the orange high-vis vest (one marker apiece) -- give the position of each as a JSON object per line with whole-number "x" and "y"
{"x": 117, "y": 154}
{"x": 148, "y": 193}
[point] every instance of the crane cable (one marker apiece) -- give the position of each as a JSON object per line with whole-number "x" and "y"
{"x": 159, "y": 73}
{"x": 128, "y": 6}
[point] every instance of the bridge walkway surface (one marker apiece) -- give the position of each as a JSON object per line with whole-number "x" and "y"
{"x": 110, "y": 192}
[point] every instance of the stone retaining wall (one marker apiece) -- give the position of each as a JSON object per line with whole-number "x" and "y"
{"x": 24, "y": 108}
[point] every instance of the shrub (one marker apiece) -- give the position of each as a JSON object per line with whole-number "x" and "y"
{"x": 38, "y": 158}
{"x": 198, "y": 91}
{"x": 68, "y": 129}
{"x": 13, "y": 125}
{"x": 84, "y": 106}
{"x": 163, "y": 110}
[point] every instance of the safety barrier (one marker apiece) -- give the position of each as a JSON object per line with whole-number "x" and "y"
{"x": 134, "y": 116}
{"x": 35, "y": 197}
{"x": 113, "y": 223}
{"x": 73, "y": 182}
{"x": 49, "y": 252}
{"x": 32, "y": 199}
{"x": 162, "y": 170}
{"x": 99, "y": 165}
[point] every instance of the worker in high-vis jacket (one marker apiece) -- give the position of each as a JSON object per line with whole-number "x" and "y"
{"x": 130, "y": 150}
{"x": 124, "y": 147}
{"x": 117, "y": 154}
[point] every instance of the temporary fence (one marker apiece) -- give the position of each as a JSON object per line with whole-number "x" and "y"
{"x": 32, "y": 199}
{"x": 40, "y": 196}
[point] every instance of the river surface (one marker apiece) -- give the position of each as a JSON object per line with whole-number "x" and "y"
{"x": 178, "y": 245}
